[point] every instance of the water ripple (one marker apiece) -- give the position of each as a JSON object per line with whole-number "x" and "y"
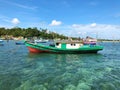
{"x": 21, "y": 70}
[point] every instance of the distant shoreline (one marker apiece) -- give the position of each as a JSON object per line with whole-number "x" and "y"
{"x": 109, "y": 41}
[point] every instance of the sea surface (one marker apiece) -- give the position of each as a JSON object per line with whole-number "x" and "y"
{"x": 21, "y": 70}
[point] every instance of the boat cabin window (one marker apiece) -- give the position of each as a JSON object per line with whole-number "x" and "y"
{"x": 73, "y": 44}
{"x": 57, "y": 44}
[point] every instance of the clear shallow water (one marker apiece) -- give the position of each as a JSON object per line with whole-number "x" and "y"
{"x": 21, "y": 70}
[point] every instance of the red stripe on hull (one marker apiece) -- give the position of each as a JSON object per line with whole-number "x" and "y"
{"x": 34, "y": 50}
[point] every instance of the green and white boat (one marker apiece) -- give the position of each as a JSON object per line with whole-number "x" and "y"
{"x": 63, "y": 47}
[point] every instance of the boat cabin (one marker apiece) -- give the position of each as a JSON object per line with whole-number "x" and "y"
{"x": 68, "y": 45}
{"x": 90, "y": 41}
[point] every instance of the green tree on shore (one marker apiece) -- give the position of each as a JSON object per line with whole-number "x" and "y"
{"x": 30, "y": 32}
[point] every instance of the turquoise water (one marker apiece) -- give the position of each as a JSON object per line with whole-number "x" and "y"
{"x": 21, "y": 70}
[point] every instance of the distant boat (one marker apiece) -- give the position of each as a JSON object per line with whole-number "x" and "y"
{"x": 1, "y": 42}
{"x": 90, "y": 41}
{"x": 19, "y": 43}
{"x": 63, "y": 47}
{"x": 40, "y": 41}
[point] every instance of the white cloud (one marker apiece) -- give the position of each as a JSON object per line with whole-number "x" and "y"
{"x": 7, "y": 21}
{"x": 65, "y": 4}
{"x": 20, "y": 5}
{"x": 15, "y": 21}
{"x": 76, "y": 26}
{"x": 103, "y": 30}
{"x": 117, "y": 15}
{"x": 84, "y": 25}
{"x": 24, "y": 6}
{"x": 94, "y": 30}
{"x": 4, "y": 18}
{"x": 55, "y": 23}
{"x": 93, "y": 25}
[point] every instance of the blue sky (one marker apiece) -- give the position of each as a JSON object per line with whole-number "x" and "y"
{"x": 80, "y": 18}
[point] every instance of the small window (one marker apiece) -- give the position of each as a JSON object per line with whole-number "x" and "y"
{"x": 57, "y": 44}
{"x": 71, "y": 44}
{"x": 74, "y": 44}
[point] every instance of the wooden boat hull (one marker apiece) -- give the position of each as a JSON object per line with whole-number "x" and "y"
{"x": 39, "y": 48}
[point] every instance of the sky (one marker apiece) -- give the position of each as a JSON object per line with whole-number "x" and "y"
{"x": 76, "y": 18}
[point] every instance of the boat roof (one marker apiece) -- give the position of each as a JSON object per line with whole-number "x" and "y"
{"x": 68, "y": 41}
